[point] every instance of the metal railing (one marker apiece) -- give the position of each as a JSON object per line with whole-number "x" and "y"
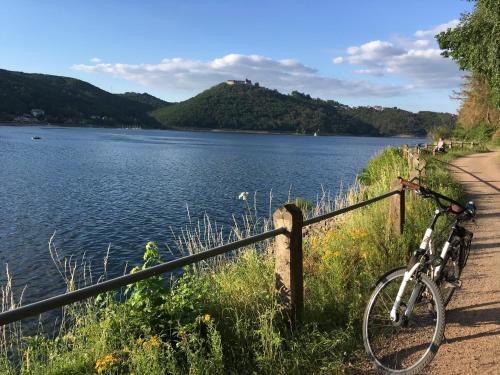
{"x": 288, "y": 273}
{"x": 341, "y": 211}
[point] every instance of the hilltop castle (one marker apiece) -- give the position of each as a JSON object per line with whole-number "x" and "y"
{"x": 236, "y": 82}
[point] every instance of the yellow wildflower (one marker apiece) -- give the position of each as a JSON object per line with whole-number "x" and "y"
{"x": 151, "y": 245}
{"x": 107, "y": 362}
{"x": 207, "y": 318}
{"x": 330, "y": 254}
{"x": 154, "y": 342}
{"x": 335, "y": 235}
{"x": 358, "y": 233}
{"x": 327, "y": 254}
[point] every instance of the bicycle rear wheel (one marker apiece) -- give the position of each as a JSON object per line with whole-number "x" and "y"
{"x": 450, "y": 271}
{"x": 465, "y": 249}
{"x": 409, "y": 344}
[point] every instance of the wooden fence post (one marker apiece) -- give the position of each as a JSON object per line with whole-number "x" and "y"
{"x": 409, "y": 158}
{"x": 288, "y": 262}
{"x": 415, "y": 163}
{"x": 405, "y": 150}
{"x": 397, "y": 210}
{"x": 422, "y": 164}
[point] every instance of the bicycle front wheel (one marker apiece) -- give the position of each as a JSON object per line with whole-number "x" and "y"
{"x": 407, "y": 345}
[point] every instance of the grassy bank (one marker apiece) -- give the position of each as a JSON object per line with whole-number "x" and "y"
{"x": 222, "y": 316}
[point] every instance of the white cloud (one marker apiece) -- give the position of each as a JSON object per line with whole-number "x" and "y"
{"x": 95, "y": 60}
{"x": 373, "y": 52}
{"x": 417, "y": 61}
{"x": 374, "y": 72}
{"x": 195, "y": 75}
{"x": 426, "y": 69}
{"x": 437, "y": 29}
{"x": 338, "y": 60}
{"x": 421, "y": 43}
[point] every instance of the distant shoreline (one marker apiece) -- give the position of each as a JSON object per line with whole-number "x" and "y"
{"x": 198, "y": 130}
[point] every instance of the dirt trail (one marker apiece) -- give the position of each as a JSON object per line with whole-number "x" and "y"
{"x": 472, "y": 333}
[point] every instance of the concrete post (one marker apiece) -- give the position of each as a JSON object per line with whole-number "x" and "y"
{"x": 288, "y": 262}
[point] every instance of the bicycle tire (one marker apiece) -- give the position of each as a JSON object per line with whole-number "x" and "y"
{"x": 420, "y": 352}
{"x": 454, "y": 267}
{"x": 446, "y": 294}
{"x": 465, "y": 245}
{"x": 451, "y": 271}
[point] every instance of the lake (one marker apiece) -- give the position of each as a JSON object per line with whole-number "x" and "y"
{"x": 118, "y": 187}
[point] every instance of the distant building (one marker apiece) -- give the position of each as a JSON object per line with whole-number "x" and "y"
{"x": 37, "y": 112}
{"x": 377, "y": 107}
{"x": 236, "y": 82}
{"x": 25, "y": 117}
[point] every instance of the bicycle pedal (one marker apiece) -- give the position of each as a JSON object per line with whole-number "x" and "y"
{"x": 456, "y": 284}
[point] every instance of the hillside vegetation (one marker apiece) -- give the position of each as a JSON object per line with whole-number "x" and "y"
{"x": 395, "y": 121}
{"x": 231, "y": 107}
{"x": 149, "y": 100}
{"x": 257, "y": 108}
{"x": 68, "y": 100}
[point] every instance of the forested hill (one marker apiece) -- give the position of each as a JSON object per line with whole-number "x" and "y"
{"x": 251, "y": 107}
{"x": 68, "y": 100}
{"x": 224, "y": 106}
{"x": 149, "y": 100}
{"x": 395, "y": 121}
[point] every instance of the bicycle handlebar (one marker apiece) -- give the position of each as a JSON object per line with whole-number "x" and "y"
{"x": 428, "y": 192}
{"x": 409, "y": 184}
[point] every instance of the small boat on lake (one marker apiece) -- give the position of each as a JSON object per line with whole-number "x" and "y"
{"x": 36, "y": 137}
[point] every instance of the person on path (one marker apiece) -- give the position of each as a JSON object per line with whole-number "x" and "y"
{"x": 439, "y": 147}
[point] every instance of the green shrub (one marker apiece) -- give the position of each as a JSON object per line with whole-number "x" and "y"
{"x": 480, "y": 133}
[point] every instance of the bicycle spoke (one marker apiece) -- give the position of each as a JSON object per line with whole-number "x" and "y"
{"x": 399, "y": 345}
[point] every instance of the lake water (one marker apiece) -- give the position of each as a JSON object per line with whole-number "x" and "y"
{"x": 100, "y": 187}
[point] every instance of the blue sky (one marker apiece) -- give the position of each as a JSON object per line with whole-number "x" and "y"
{"x": 356, "y": 52}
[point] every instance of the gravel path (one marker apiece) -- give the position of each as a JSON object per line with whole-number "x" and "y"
{"x": 472, "y": 333}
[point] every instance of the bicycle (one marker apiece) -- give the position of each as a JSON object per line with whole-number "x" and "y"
{"x": 404, "y": 320}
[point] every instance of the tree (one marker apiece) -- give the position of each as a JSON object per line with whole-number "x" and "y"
{"x": 475, "y": 45}
{"x": 476, "y": 108}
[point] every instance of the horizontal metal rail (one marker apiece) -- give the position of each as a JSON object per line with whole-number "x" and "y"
{"x": 341, "y": 211}
{"x": 106, "y": 286}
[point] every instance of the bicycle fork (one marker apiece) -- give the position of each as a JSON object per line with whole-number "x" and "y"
{"x": 410, "y": 271}
{"x": 414, "y": 294}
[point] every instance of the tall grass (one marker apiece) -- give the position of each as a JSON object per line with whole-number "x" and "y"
{"x": 222, "y": 316}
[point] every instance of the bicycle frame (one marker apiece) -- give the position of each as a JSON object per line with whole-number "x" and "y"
{"x": 417, "y": 261}
{"x": 424, "y": 255}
